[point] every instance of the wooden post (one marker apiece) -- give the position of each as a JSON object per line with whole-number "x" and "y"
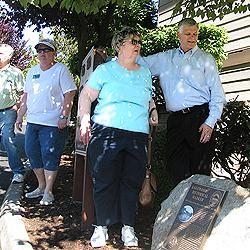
{"x": 78, "y": 178}
{"x": 83, "y": 190}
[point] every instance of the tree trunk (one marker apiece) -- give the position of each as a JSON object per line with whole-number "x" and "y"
{"x": 82, "y": 36}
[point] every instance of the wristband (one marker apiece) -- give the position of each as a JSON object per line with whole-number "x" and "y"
{"x": 151, "y": 110}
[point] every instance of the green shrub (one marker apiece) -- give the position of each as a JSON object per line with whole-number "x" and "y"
{"x": 233, "y": 141}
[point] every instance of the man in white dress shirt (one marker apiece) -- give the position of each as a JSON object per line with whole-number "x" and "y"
{"x": 194, "y": 96}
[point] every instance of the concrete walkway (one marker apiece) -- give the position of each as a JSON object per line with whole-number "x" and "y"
{"x": 13, "y": 235}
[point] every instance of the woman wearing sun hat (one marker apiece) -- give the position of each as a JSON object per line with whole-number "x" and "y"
{"x": 48, "y": 96}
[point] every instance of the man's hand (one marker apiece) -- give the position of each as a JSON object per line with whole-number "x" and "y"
{"x": 206, "y": 133}
{"x": 19, "y": 123}
{"x": 153, "y": 119}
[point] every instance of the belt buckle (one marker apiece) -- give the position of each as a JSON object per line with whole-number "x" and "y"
{"x": 185, "y": 111}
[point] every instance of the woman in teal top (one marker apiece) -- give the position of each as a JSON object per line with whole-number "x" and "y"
{"x": 117, "y": 151}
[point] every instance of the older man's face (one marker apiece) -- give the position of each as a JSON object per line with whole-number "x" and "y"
{"x": 5, "y": 53}
{"x": 188, "y": 36}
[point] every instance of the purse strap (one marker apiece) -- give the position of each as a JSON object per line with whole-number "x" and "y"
{"x": 150, "y": 139}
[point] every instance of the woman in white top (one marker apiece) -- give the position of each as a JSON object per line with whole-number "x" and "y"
{"x": 48, "y": 97}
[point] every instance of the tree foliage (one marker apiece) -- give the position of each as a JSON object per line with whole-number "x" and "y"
{"x": 78, "y": 6}
{"x": 92, "y": 29}
{"x": 10, "y": 34}
{"x": 67, "y": 49}
{"x": 210, "y": 9}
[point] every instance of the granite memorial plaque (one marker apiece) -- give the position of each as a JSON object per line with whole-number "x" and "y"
{"x": 195, "y": 218}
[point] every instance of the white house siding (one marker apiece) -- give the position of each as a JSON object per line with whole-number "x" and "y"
{"x": 235, "y": 75}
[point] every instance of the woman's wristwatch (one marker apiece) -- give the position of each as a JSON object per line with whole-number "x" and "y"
{"x": 63, "y": 117}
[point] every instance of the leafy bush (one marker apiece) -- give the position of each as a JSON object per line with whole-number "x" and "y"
{"x": 212, "y": 40}
{"x": 233, "y": 142}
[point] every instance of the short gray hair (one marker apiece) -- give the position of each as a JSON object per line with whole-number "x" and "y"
{"x": 6, "y": 49}
{"x": 124, "y": 34}
{"x": 187, "y": 22}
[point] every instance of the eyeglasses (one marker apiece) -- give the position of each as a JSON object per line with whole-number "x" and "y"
{"x": 45, "y": 50}
{"x": 135, "y": 42}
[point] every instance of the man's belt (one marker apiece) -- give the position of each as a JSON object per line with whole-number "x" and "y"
{"x": 2, "y": 110}
{"x": 189, "y": 110}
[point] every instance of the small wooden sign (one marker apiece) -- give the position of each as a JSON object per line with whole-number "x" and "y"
{"x": 195, "y": 218}
{"x": 86, "y": 70}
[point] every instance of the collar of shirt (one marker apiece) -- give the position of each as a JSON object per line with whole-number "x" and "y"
{"x": 188, "y": 53}
{"x": 5, "y": 67}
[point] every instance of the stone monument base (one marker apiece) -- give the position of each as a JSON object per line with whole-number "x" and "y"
{"x": 231, "y": 229}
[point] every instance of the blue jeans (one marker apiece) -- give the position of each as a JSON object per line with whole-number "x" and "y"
{"x": 44, "y": 145}
{"x": 8, "y": 139}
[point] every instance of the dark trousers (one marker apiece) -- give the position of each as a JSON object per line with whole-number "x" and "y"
{"x": 185, "y": 154}
{"x": 117, "y": 160}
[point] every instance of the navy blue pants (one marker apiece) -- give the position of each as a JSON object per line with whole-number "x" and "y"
{"x": 117, "y": 161}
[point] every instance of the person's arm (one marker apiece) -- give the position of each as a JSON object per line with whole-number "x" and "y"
{"x": 217, "y": 99}
{"x": 153, "y": 114}
{"x": 21, "y": 112}
{"x": 152, "y": 62}
{"x": 87, "y": 96}
{"x": 19, "y": 85}
{"x": 67, "y": 105}
{"x": 217, "y": 95}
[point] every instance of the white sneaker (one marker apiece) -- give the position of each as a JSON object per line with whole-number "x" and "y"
{"x": 99, "y": 237}
{"x": 128, "y": 236}
{"x": 35, "y": 194}
{"x": 17, "y": 178}
{"x": 47, "y": 199}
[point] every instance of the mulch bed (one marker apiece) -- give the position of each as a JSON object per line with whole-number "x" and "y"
{"x": 59, "y": 226}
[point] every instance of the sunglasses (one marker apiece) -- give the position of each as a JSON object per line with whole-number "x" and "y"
{"x": 136, "y": 42}
{"x": 45, "y": 50}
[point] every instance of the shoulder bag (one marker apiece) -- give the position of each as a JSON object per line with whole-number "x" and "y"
{"x": 149, "y": 187}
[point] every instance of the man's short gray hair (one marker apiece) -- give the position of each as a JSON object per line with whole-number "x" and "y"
{"x": 187, "y": 22}
{"x": 6, "y": 49}
{"x": 124, "y": 34}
